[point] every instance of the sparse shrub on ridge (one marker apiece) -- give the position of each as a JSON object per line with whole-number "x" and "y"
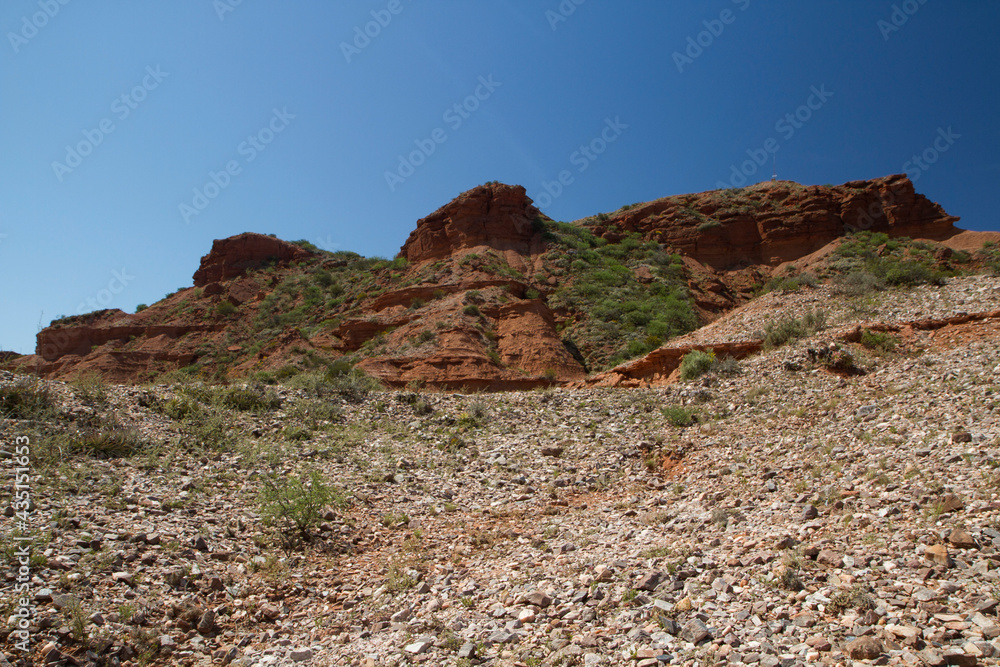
{"x": 696, "y": 363}
{"x": 879, "y": 342}
{"x": 788, "y": 329}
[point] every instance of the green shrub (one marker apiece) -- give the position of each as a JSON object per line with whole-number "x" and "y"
{"x": 696, "y": 363}
{"x": 225, "y": 309}
{"x": 880, "y": 342}
{"x": 709, "y": 225}
{"x": 251, "y": 399}
{"x": 296, "y": 433}
{"x": 108, "y": 440}
{"x": 141, "y": 307}
{"x": 294, "y": 508}
{"x": 472, "y": 310}
{"x": 788, "y": 329}
{"x": 857, "y": 283}
{"x": 26, "y": 398}
{"x": 426, "y": 336}
{"x": 679, "y": 415}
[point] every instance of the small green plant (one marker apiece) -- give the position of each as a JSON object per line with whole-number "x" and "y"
{"x": 877, "y": 341}
{"x": 225, "y": 309}
{"x": 141, "y": 307}
{"x": 857, "y": 597}
{"x": 696, "y": 363}
{"x": 27, "y": 398}
{"x": 472, "y": 310}
{"x": 254, "y": 399}
{"x": 294, "y": 506}
{"x": 296, "y": 433}
{"x": 679, "y": 415}
{"x": 788, "y": 329}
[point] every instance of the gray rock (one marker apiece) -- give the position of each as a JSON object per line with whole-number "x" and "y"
{"x": 695, "y": 631}
{"x": 301, "y": 654}
{"x": 649, "y": 581}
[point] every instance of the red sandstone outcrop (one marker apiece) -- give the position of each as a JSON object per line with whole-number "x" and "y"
{"x": 495, "y": 215}
{"x": 775, "y": 222}
{"x": 232, "y": 257}
{"x": 421, "y": 319}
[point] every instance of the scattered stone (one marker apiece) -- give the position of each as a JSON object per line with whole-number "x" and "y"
{"x": 695, "y": 631}
{"x": 537, "y": 598}
{"x": 864, "y": 648}
{"x": 952, "y": 503}
{"x": 961, "y": 539}
{"x": 649, "y": 581}
{"x": 938, "y": 553}
{"x": 305, "y": 654}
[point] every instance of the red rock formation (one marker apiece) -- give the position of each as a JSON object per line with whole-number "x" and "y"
{"x": 495, "y": 215}
{"x": 770, "y": 223}
{"x": 233, "y": 256}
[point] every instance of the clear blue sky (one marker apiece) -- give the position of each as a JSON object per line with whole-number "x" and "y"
{"x": 202, "y": 85}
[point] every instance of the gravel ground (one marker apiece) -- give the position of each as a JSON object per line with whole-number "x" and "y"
{"x": 803, "y": 517}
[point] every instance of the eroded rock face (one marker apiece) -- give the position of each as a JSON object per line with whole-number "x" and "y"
{"x": 495, "y": 215}
{"x": 232, "y": 257}
{"x": 770, "y": 223}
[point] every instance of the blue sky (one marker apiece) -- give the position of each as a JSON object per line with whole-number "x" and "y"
{"x": 132, "y": 134}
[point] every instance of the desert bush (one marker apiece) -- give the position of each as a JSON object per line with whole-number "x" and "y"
{"x": 26, "y": 398}
{"x": 108, "y": 439}
{"x": 857, "y": 597}
{"x": 726, "y": 366}
{"x": 857, "y": 283}
{"x": 696, "y": 363}
{"x": 679, "y": 415}
{"x": 790, "y": 283}
{"x": 225, "y": 309}
{"x": 296, "y": 433}
{"x": 294, "y": 507}
{"x": 339, "y": 378}
{"x": 788, "y": 329}
{"x": 472, "y": 310}
{"x": 253, "y": 398}
{"x": 877, "y": 341}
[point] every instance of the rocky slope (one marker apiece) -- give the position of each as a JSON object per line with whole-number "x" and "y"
{"x": 486, "y": 293}
{"x": 781, "y": 514}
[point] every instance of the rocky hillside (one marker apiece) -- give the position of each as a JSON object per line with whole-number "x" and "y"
{"x": 831, "y": 498}
{"x": 487, "y": 293}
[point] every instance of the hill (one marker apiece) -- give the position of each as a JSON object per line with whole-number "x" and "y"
{"x": 488, "y": 293}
